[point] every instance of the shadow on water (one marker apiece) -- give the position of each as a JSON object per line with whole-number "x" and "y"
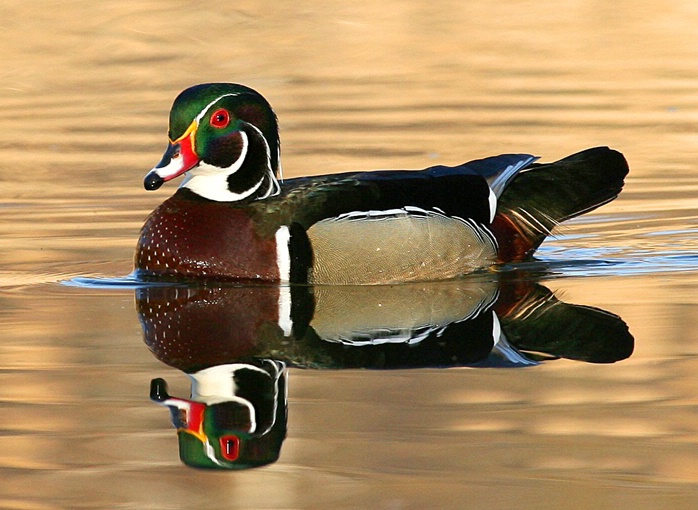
{"x": 235, "y": 344}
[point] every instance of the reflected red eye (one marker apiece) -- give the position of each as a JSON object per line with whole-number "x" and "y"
{"x": 220, "y": 118}
{"x": 230, "y": 447}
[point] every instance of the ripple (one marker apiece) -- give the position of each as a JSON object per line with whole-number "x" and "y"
{"x": 10, "y": 279}
{"x": 130, "y": 281}
{"x": 578, "y": 262}
{"x": 610, "y": 261}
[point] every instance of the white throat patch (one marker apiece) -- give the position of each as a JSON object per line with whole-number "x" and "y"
{"x": 211, "y": 182}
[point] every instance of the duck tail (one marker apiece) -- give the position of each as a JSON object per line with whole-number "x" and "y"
{"x": 535, "y": 321}
{"x": 544, "y": 195}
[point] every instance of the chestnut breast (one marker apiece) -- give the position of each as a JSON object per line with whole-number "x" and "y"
{"x": 191, "y": 237}
{"x": 196, "y": 327}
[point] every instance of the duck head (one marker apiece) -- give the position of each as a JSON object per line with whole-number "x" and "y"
{"x": 225, "y": 138}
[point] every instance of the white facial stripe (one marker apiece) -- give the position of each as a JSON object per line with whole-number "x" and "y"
{"x": 211, "y": 453}
{"x": 274, "y": 188}
{"x": 172, "y": 168}
{"x": 266, "y": 145}
{"x": 202, "y": 113}
{"x": 179, "y": 404}
{"x": 243, "y": 153}
{"x": 278, "y": 161}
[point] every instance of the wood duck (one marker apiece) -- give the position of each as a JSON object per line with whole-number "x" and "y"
{"x": 235, "y": 218}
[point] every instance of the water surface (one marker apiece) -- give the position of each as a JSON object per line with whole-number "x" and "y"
{"x": 84, "y": 96}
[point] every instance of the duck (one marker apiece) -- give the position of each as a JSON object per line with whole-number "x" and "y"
{"x": 234, "y": 217}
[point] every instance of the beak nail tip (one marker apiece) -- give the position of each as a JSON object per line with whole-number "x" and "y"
{"x": 152, "y": 181}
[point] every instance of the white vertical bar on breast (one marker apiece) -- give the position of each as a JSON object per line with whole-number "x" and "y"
{"x": 283, "y": 253}
{"x": 283, "y": 261}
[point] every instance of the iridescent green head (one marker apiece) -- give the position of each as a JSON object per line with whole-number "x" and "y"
{"x": 225, "y": 136}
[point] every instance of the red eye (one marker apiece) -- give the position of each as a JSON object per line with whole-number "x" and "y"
{"x": 220, "y": 118}
{"x": 230, "y": 447}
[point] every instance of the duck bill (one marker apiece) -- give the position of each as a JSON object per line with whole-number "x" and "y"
{"x": 186, "y": 415}
{"x": 179, "y": 158}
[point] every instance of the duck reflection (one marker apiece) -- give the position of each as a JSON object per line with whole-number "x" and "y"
{"x": 235, "y": 343}
{"x": 235, "y": 417}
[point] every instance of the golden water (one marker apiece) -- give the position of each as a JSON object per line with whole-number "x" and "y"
{"x": 85, "y": 88}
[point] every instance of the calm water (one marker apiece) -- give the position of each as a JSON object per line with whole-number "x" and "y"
{"x": 84, "y": 93}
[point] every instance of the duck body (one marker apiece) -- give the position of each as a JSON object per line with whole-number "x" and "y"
{"x": 233, "y": 220}
{"x": 353, "y": 228}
